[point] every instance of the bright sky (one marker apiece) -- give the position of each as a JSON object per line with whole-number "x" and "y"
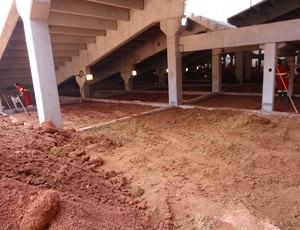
{"x": 218, "y": 10}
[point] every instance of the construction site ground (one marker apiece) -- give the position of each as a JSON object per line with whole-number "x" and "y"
{"x": 220, "y": 164}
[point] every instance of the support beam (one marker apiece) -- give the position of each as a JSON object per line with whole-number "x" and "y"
{"x": 76, "y": 31}
{"x": 251, "y": 35}
{"x": 69, "y": 46}
{"x": 61, "y": 19}
{"x": 7, "y": 28}
{"x": 60, "y": 38}
{"x": 131, "y": 4}
{"x": 35, "y": 14}
{"x": 269, "y": 77}
{"x": 20, "y": 45}
{"x": 65, "y": 53}
{"x": 90, "y": 9}
{"x": 172, "y": 28}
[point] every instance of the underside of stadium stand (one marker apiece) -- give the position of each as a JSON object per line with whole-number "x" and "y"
{"x": 144, "y": 46}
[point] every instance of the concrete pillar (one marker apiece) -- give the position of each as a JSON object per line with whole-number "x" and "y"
{"x": 172, "y": 28}
{"x": 127, "y": 77}
{"x": 291, "y": 63}
{"x": 1, "y": 109}
{"x": 239, "y": 64}
{"x": 35, "y": 15}
{"x": 259, "y": 61}
{"x": 161, "y": 72}
{"x": 216, "y": 71}
{"x": 81, "y": 81}
{"x": 269, "y": 77}
{"x": 248, "y": 67}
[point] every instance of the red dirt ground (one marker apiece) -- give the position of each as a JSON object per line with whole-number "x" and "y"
{"x": 174, "y": 169}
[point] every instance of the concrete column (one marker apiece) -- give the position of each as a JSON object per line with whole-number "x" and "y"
{"x": 161, "y": 74}
{"x": 1, "y": 109}
{"x": 216, "y": 71}
{"x": 259, "y": 61}
{"x": 269, "y": 77}
{"x": 172, "y": 28}
{"x": 239, "y": 64}
{"x": 248, "y": 65}
{"x": 81, "y": 81}
{"x": 291, "y": 63}
{"x": 127, "y": 77}
{"x": 35, "y": 15}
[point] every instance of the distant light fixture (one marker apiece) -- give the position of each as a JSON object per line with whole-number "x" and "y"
{"x": 186, "y": 69}
{"x": 167, "y": 70}
{"x": 133, "y": 73}
{"x": 89, "y": 77}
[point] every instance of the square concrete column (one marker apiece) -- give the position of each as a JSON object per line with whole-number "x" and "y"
{"x": 291, "y": 63}
{"x": 216, "y": 71}
{"x": 172, "y": 28}
{"x": 35, "y": 15}
{"x": 161, "y": 72}
{"x": 127, "y": 78}
{"x": 248, "y": 67}
{"x": 1, "y": 109}
{"x": 239, "y": 65}
{"x": 269, "y": 77}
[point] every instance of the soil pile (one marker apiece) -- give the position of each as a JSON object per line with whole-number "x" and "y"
{"x": 47, "y": 180}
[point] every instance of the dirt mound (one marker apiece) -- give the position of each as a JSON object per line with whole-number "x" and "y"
{"x": 186, "y": 168}
{"x": 90, "y": 198}
{"x": 245, "y": 119}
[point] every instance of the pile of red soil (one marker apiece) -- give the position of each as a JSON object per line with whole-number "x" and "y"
{"x": 48, "y": 181}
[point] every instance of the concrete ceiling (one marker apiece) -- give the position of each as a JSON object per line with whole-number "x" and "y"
{"x": 266, "y": 12}
{"x": 73, "y": 24}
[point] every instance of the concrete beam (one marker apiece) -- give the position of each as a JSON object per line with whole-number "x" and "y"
{"x": 18, "y": 36}
{"x": 18, "y": 45}
{"x": 60, "y": 38}
{"x": 251, "y": 35}
{"x": 90, "y": 9}
{"x": 16, "y": 53}
{"x": 62, "y": 59}
{"x": 14, "y": 65}
{"x": 17, "y": 60}
{"x": 61, "y": 19}
{"x": 65, "y": 53}
{"x": 25, "y": 71}
{"x": 34, "y": 9}
{"x": 59, "y": 64}
{"x": 35, "y": 14}
{"x": 139, "y": 22}
{"x": 76, "y": 31}
{"x": 130, "y": 4}
{"x": 8, "y": 26}
{"x": 69, "y": 46}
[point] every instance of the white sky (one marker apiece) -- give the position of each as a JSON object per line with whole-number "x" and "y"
{"x": 218, "y": 9}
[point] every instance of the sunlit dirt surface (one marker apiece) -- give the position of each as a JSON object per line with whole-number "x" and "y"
{"x": 174, "y": 169}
